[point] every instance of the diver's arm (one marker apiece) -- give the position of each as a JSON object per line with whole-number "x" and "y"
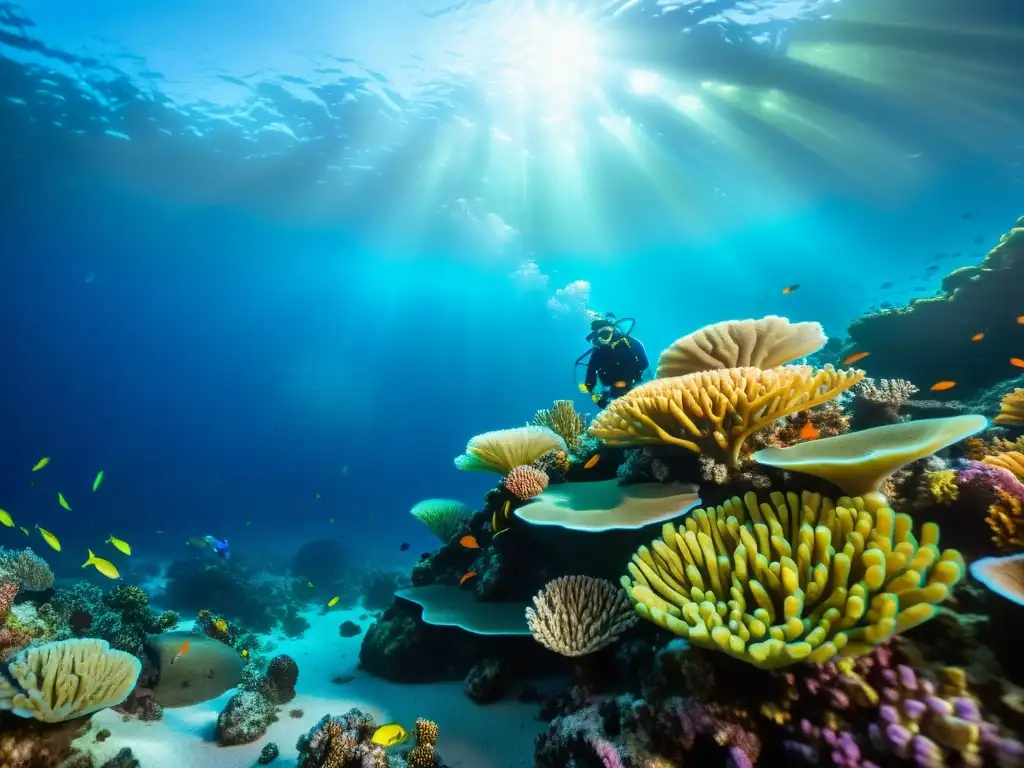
{"x": 591, "y": 380}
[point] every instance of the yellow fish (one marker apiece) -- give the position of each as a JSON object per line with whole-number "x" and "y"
{"x": 389, "y": 735}
{"x": 103, "y": 566}
{"x": 24, "y": 530}
{"x": 63, "y": 501}
{"x": 41, "y": 463}
{"x": 245, "y": 653}
{"x": 121, "y": 546}
{"x": 6, "y": 519}
{"x": 333, "y": 601}
{"x": 49, "y": 538}
{"x": 97, "y": 481}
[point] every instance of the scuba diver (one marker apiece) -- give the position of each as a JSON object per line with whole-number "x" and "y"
{"x": 616, "y": 359}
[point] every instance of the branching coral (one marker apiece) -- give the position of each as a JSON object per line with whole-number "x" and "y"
{"x": 713, "y": 412}
{"x": 503, "y": 450}
{"x": 764, "y": 343}
{"x": 444, "y": 517}
{"x": 577, "y": 615}
{"x": 565, "y": 421}
{"x": 526, "y": 482}
{"x": 1011, "y": 409}
{"x": 1006, "y": 520}
{"x": 822, "y": 578}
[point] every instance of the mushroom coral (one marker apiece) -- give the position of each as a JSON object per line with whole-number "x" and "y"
{"x": 765, "y": 343}
{"x": 714, "y": 412}
{"x": 801, "y": 578}
{"x": 503, "y": 450}
{"x": 860, "y": 462}
{"x": 450, "y": 606}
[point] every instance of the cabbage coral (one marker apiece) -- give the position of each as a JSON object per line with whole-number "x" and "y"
{"x": 503, "y": 450}
{"x": 802, "y": 578}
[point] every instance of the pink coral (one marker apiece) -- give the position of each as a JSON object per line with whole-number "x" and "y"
{"x": 12, "y": 641}
{"x": 525, "y": 482}
{"x": 8, "y": 591}
{"x": 608, "y": 753}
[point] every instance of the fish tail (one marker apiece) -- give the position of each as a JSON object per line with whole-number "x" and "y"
{"x": 91, "y": 559}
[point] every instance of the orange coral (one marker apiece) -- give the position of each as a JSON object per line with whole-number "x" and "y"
{"x": 1011, "y": 460}
{"x": 1006, "y": 519}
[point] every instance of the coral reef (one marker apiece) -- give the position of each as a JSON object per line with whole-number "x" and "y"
{"x": 121, "y": 615}
{"x": 918, "y": 342}
{"x": 342, "y": 742}
{"x": 250, "y": 712}
{"x": 444, "y": 517}
{"x": 835, "y": 578}
{"x": 876, "y": 403}
{"x": 1011, "y": 409}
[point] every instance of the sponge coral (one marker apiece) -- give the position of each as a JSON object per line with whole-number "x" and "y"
{"x": 526, "y": 482}
{"x": 713, "y": 412}
{"x": 800, "y": 578}
{"x": 503, "y": 450}
{"x": 765, "y": 343}
{"x": 1011, "y": 409}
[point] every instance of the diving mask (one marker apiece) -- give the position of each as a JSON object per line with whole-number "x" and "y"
{"x": 604, "y": 335}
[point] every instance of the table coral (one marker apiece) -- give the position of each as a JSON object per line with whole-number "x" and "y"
{"x": 822, "y": 578}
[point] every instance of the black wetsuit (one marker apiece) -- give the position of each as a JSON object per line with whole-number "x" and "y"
{"x": 619, "y": 366}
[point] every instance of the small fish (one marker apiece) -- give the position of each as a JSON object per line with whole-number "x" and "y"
{"x": 886, "y": 286}
{"x": 41, "y": 463}
{"x": 978, "y": 336}
{"x": 809, "y": 432}
{"x": 403, "y": 546}
{"x": 790, "y": 288}
{"x": 6, "y": 519}
{"x": 619, "y": 384}
{"x": 63, "y": 502}
{"x": 318, "y": 497}
{"x": 333, "y": 601}
{"x": 389, "y": 735}
{"x": 855, "y": 357}
{"x": 119, "y": 545}
{"x": 25, "y": 530}
{"x": 469, "y": 542}
{"x": 310, "y": 585}
{"x": 245, "y": 653}
{"x": 592, "y": 461}
{"x": 979, "y": 240}
{"x": 330, "y": 520}
{"x": 466, "y": 577}
{"x": 181, "y": 651}
{"x": 248, "y": 523}
{"x": 97, "y": 481}
{"x": 105, "y": 567}
{"x": 941, "y": 386}
{"x": 344, "y": 471}
{"x": 967, "y": 216}
{"x": 49, "y": 538}
{"x": 505, "y": 508}
{"x": 1017, "y": 362}
{"x": 932, "y": 268}
{"x": 1020, "y": 320}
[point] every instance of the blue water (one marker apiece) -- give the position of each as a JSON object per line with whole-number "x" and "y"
{"x": 269, "y": 266}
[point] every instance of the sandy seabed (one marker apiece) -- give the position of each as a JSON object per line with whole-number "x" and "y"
{"x": 472, "y": 736}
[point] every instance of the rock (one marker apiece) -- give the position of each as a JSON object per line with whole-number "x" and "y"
{"x": 245, "y": 718}
{"x": 487, "y": 681}
{"x": 268, "y": 754}
{"x": 349, "y": 629}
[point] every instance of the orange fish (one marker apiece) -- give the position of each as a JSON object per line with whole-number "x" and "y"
{"x": 942, "y": 386}
{"x": 978, "y": 337}
{"x": 1020, "y": 320}
{"x": 467, "y": 576}
{"x": 790, "y": 288}
{"x": 1017, "y": 362}
{"x": 809, "y": 432}
{"x": 592, "y": 461}
{"x": 855, "y": 357}
{"x": 469, "y": 542}
{"x": 181, "y": 651}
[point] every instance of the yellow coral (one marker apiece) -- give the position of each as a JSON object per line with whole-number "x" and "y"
{"x": 1011, "y": 409}
{"x": 802, "y": 578}
{"x": 1006, "y": 519}
{"x": 221, "y": 626}
{"x": 1011, "y": 460}
{"x": 563, "y": 419}
{"x": 713, "y": 412}
{"x": 942, "y": 486}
